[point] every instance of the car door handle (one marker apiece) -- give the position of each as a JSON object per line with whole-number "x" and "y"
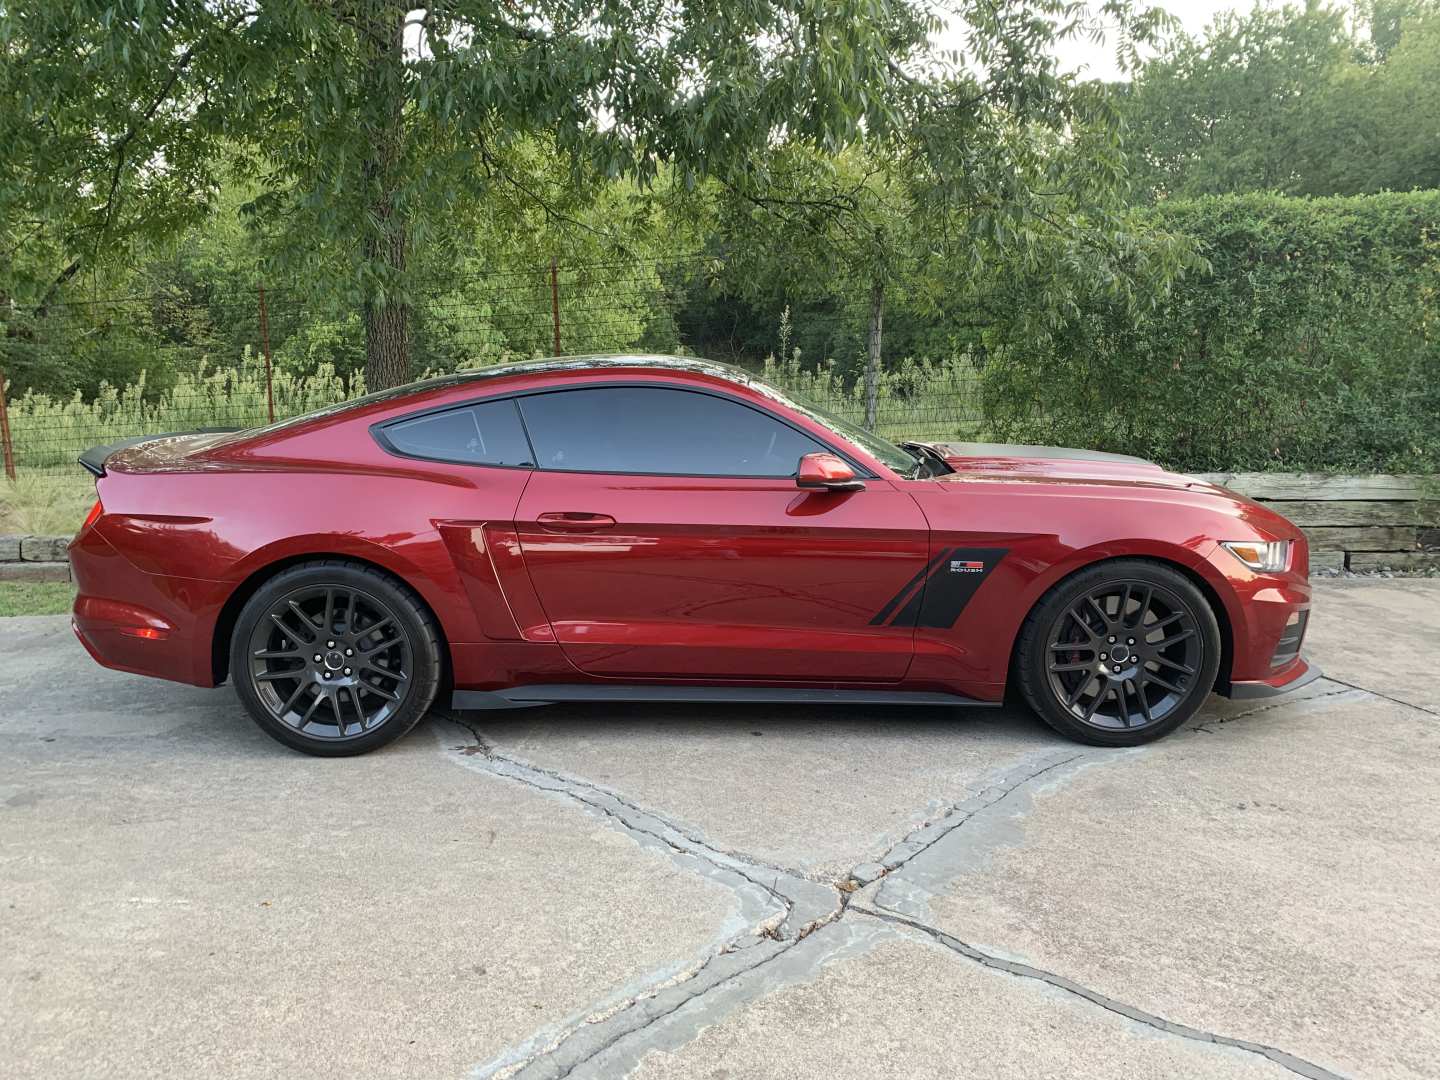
{"x": 574, "y": 521}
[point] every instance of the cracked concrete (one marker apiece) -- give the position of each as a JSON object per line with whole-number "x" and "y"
{"x": 1383, "y": 635}
{"x": 901, "y": 884}
{"x": 1265, "y": 881}
{"x": 1289, "y": 1061}
{"x": 813, "y": 788}
{"x": 180, "y": 896}
{"x": 603, "y": 891}
{"x": 908, "y": 1008}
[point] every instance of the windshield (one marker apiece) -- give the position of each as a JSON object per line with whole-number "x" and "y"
{"x": 902, "y": 461}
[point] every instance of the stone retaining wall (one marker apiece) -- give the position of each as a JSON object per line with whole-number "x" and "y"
{"x": 34, "y": 558}
{"x": 1359, "y": 523}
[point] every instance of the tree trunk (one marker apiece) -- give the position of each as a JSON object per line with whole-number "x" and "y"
{"x": 387, "y": 343}
{"x": 872, "y": 359}
{"x": 386, "y": 315}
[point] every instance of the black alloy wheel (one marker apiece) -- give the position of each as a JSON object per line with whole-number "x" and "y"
{"x": 1120, "y": 654}
{"x": 335, "y": 658}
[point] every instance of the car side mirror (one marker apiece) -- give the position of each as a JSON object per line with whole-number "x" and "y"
{"x": 826, "y": 472}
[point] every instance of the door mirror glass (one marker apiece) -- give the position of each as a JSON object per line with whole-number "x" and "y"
{"x": 826, "y": 472}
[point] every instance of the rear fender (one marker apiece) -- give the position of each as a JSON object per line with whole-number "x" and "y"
{"x": 424, "y": 565}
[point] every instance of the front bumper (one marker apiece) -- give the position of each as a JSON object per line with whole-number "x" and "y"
{"x": 1301, "y": 673}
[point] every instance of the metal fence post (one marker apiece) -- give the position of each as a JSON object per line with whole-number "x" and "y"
{"x": 9, "y": 449}
{"x": 265, "y": 344}
{"x": 555, "y": 302}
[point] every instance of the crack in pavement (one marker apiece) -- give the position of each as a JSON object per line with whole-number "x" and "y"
{"x": 799, "y": 923}
{"x": 1207, "y": 727}
{"x": 580, "y": 1044}
{"x": 937, "y": 828}
{"x": 804, "y": 902}
{"x": 930, "y": 859}
{"x": 1388, "y": 697}
{"x": 783, "y": 905}
{"x": 1297, "y": 1065}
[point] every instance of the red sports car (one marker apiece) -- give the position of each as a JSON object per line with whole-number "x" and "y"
{"x": 636, "y": 528}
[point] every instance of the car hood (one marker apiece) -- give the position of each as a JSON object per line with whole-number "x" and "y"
{"x": 1057, "y": 464}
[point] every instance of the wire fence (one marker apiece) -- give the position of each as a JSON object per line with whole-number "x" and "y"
{"x": 91, "y": 372}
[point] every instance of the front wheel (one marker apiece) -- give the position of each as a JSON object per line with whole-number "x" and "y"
{"x": 335, "y": 658}
{"x": 1119, "y": 654}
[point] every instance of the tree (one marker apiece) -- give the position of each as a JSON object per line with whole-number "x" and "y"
{"x": 1231, "y": 111}
{"x": 1007, "y": 161}
{"x": 364, "y": 124}
{"x": 1312, "y": 101}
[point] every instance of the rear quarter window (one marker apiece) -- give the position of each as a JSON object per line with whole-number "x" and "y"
{"x": 489, "y": 433}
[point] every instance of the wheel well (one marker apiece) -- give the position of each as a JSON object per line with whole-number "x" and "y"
{"x": 230, "y": 612}
{"x": 1222, "y": 617}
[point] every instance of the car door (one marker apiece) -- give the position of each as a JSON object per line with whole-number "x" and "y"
{"x": 665, "y": 538}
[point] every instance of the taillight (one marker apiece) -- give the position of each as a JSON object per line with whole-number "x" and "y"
{"x": 95, "y": 512}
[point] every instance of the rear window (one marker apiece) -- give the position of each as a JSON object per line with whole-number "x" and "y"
{"x": 489, "y": 433}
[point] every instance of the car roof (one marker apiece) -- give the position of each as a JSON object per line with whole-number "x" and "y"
{"x": 693, "y": 365}
{"x": 589, "y": 362}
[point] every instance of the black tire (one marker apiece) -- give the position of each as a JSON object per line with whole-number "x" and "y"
{"x": 1096, "y": 662}
{"x": 366, "y": 676}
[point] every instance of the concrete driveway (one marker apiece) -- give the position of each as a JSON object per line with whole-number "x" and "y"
{"x": 725, "y": 892}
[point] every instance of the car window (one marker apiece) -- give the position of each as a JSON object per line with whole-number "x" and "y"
{"x": 638, "y": 429}
{"x": 486, "y": 434}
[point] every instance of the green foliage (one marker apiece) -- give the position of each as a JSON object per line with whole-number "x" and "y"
{"x": 1311, "y": 343}
{"x": 917, "y": 398}
{"x": 46, "y": 429}
{"x": 365, "y": 157}
{"x": 364, "y": 131}
{"x": 45, "y": 502}
{"x": 363, "y": 128}
{"x": 1295, "y": 100}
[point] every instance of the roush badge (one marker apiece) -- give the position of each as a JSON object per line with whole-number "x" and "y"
{"x": 936, "y": 595}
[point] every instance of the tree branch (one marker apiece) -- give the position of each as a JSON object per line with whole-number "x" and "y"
{"x": 121, "y": 146}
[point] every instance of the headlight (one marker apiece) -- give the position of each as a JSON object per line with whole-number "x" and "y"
{"x": 1266, "y": 556}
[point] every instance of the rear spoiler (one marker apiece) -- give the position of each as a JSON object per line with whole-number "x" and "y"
{"x": 94, "y": 459}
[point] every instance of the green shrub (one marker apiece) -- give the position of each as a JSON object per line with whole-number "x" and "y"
{"x": 1312, "y": 343}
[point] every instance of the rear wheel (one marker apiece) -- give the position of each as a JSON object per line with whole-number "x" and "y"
{"x": 1119, "y": 654}
{"x": 335, "y": 658}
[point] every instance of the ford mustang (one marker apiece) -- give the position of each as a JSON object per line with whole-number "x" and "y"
{"x": 638, "y": 528}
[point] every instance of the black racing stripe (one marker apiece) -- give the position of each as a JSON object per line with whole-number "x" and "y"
{"x": 948, "y": 591}
{"x": 894, "y": 601}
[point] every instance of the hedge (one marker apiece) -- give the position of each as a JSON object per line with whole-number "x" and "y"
{"x": 1312, "y": 342}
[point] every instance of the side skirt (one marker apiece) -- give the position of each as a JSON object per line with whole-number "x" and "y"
{"x": 524, "y": 697}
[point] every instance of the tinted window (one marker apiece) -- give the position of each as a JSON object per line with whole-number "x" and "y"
{"x": 487, "y": 434}
{"x": 633, "y": 429}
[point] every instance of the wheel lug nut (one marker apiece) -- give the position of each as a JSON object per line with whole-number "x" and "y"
{"x": 349, "y": 652}
{"x": 1131, "y": 641}
{"x": 1104, "y": 656}
{"x": 347, "y": 671}
{"x": 331, "y": 644}
{"x": 1112, "y": 641}
{"x": 318, "y": 658}
{"x": 327, "y": 674}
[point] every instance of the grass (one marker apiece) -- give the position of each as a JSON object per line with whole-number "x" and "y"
{"x": 35, "y": 597}
{"x": 46, "y": 502}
